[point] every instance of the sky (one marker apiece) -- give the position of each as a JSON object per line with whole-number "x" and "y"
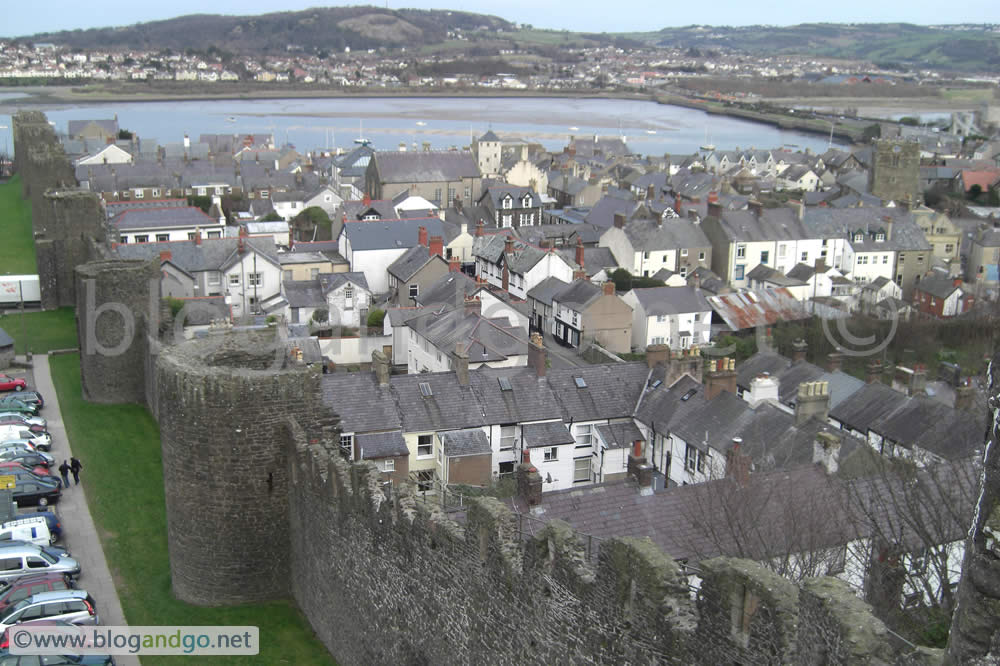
{"x": 25, "y": 18}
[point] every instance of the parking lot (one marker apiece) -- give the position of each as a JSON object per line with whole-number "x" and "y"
{"x": 79, "y": 533}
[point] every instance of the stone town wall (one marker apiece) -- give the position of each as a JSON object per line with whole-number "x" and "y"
{"x": 114, "y": 316}
{"x": 68, "y": 223}
{"x": 397, "y": 582}
{"x": 223, "y": 411}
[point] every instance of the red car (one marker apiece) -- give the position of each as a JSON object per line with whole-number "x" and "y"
{"x": 13, "y": 464}
{"x": 8, "y": 383}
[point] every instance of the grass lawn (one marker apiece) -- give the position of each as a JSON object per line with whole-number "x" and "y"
{"x": 17, "y": 251}
{"x": 41, "y": 330}
{"x": 125, "y": 492}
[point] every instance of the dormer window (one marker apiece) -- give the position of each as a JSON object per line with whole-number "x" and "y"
{"x": 508, "y": 203}
{"x": 526, "y": 202}
{"x": 859, "y": 237}
{"x": 879, "y": 237}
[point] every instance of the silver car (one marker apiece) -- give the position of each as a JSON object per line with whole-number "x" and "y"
{"x": 22, "y": 558}
{"x": 73, "y": 606}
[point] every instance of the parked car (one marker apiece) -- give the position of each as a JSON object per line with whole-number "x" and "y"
{"x": 10, "y": 403}
{"x": 31, "y": 397}
{"x": 74, "y": 606}
{"x": 27, "y": 475}
{"x": 40, "y": 470}
{"x": 25, "y": 418}
{"x": 28, "y": 457}
{"x": 42, "y": 441}
{"x": 54, "y": 521}
{"x": 14, "y": 591}
{"x": 8, "y": 383}
{"x": 31, "y": 493}
{"x": 21, "y": 559}
{"x": 10, "y": 421}
{"x": 18, "y": 445}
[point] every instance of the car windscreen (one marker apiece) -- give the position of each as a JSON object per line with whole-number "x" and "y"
{"x": 51, "y": 556}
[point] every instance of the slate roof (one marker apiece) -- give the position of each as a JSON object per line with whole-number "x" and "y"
{"x": 774, "y": 224}
{"x": 450, "y": 405}
{"x": 303, "y": 293}
{"x": 411, "y": 261}
{"x": 620, "y": 435}
{"x": 381, "y": 444}
{"x": 471, "y": 442}
{"x": 521, "y": 260}
{"x": 489, "y": 136}
{"x": 760, "y": 363}
{"x": 602, "y": 214}
{"x": 578, "y": 295}
{"x": 671, "y": 300}
{"x": 161, "y": 217}
{"x": 595, "y": 259}
{"x": 201, "y": 310}
{"x": 496, "y": 192}
{"x": 764, "y": 273}
{"x": 212, "y": 254}
{"x": 449, "y": 289}
{"x": 5, "y": 339}
{"x": 611, "y": 391}
{"x": 562, "y": 234}
{"x": 552, "y": 433}
{"x": 425, "y": 166}
{"x": 802, "y": 272}
{"x": 937, "y": 284}
{"x": 547, "y": 289}
{"x": 388, "y": 235}
{"x": 109, "y": 125}
{"x": 485, "y": 340}
{"x": 363, "y": 405}
{"x": 666, "y": 234}
{"x": 839, "y": 223}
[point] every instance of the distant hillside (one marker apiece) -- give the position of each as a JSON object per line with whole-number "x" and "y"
{"x": 312, "y": 30}
{"x": 881, "y": 43}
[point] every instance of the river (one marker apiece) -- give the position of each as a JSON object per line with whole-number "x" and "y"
{"x": 648, "y": 127}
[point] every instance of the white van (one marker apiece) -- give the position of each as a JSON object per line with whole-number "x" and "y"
{"x": 33, "y": 529}
{"x": 40, "y": 440}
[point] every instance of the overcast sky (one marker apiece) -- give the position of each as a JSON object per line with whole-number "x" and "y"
{"x": 27, "y": 18}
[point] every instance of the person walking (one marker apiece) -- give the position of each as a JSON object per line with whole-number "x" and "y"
{"x": 75, "y": 466}
{"x": 64, "y": 470}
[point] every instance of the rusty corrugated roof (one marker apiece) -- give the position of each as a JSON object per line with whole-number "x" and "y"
{"x": 757, "y": 307}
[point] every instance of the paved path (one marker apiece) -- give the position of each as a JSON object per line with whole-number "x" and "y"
{"x": 79, "y": 532}
{"x": 559, "y": 356}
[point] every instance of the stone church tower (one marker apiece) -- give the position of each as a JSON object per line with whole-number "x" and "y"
{"x": 895, "y": 173}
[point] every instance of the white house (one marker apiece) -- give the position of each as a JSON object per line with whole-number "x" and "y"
{"x": 110, "y": 154}
{"x": 675, "y": 316}
{"x": 434, "y": 335}
{"x": 326, "y": 197}
{"x": 161, "y": 221}
{"x": 370, "y": 247}
{"x": 344, "y": 296}
{"x": 515, "y": 266}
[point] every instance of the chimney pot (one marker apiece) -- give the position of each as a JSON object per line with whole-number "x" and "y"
{"x": 454, "y": 265}
{"x": 436, "y": 246}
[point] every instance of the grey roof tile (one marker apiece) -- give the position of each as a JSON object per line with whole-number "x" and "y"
{"x": 552, "y": 433}
{"x": 381, "y": 445}
{"x": 470, "y": 442}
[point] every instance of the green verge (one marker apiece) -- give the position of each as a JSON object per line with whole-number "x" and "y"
{"x": 124, "y": 487}
{"x": 17, "y": 252}
{"x": 40, "y": 330}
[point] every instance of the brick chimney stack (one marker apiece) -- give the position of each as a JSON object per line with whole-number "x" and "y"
{"x": 422, "y": 236}
{"x": 619, "y": 221}
{"x": 579, "y": 251}
{"x": 380, "y": 364}
{"x": 479, "y": 228}
{"x": 738, "y": 463}
{"x": 454, "y": 265}
{"x": 197, "y": 235}
{"x": 799, "y": 349}
{"x": 609, "y": 288}
{"x": 651, "y": 193}
{"x": 508, "y": 245}
{"x": 677, "y": 205}
{"x": 537, "y": 356}
{"x": 834, "y": 361}
{"x": 721, "y": 376}
{"x": 437, "y": 246}
{"x": 166, "y": 255}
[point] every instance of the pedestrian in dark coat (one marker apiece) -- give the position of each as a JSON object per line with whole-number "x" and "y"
{"x": 75, "y": 465}
{"x": 64, "y": 470}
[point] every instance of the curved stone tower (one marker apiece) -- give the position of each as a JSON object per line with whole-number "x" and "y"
{"x": 224, "y": 405}
{"x": 115, "y": 306}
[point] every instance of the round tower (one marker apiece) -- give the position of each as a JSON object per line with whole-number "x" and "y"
{"x": 225, "y": 402}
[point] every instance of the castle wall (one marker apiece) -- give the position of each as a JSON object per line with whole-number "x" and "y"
{"x": 113, "y": 323}
{"x": 223, "y": 412}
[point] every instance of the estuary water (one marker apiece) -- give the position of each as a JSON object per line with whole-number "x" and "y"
{"x": 308, "y": 124}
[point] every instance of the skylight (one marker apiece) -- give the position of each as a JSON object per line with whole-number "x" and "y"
{"x": 425, "y": 389}
{"x": 580, "y": 382}
{"x": 505, "y": 384}
{"x": 687, "y": 396}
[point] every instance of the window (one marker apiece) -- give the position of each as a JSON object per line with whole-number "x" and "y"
{"x": 684, "y": 271}
{"x": 657, "y": 340}
{"x": 162, "y": 238}
{"x": 506, "y": 220}
{"x": 234, "y": 280}
{"x": 738, "y": 271}
{"x": 782, "y": 249}
{"x": 645, "y": 255}
{"x": 697, "y": 316}
{"x": 506, "y": 469}
{"x": 508, "y": 203}
{"x": 425, "y": 446}
{"x": 286, "y": 275}
{"x": 684, "y": 253}
{"x": 885, "y": 258}
{"x": 347, "y": 446}
{"x": 437, "y": 195}
{"x": 468, "y": 193}
{"x": 137, "y": 193}
{"x": 581, "y": 470}
{"x": 805, "y": 257}
{"x": 661, "y": 318}
{"x": 414, "y": 290}
{"x": 764, "y": 256}
{"x": 507, "y": 437}
{"x": 900, "y": 260}
{"x": 584, "y": 435}
{"x": 691, "y": 458}
{"x": 551, "y": 454}
{"x": 156, "y": 194}
{"x": 264, "y": 194}
{"x": 123, "y": 239}
{"x": 949, "y": 248}
{"x": 202, "y": 192}
{"x": 142, "y": 239}
{"x": 215, "y": 234}
{"x": 741, "y": 251}
{"x": 255, "y": 279}
{"x": 701, "y": 256}
{"x": 879, "y": 237}
{"x": 388, "y": 465}
{"x": 192, "y": 235}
